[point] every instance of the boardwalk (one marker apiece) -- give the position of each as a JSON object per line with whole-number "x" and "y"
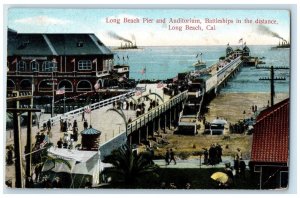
{"x": 108, "y": 122}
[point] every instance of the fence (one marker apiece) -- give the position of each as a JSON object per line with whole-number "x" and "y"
{"x": 155, "y": 112}
{"x": 94, "y": 106}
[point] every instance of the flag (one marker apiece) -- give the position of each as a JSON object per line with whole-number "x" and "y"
{"x": 87, "y": 109}
{"x": 160, "y": 84}
{"x": 14, "y": 61}
{"x": 54, "y": 60}
{"x": 175, "y": 79}
{"x": 60, "y": 91}
{"x": 45, "y": 142}
{"x": 73, "y": 60}
{"x": 143, "y": 71}
{"x": 97, "y": 86}
{"x": 95, "y": 60}
{"x": 241, "y": 40}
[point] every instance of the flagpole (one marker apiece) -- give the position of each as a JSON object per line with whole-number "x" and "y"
{"x": 64, "y": 102}
{"x": 90, "y": 115}
{"x": 52, "y": 110}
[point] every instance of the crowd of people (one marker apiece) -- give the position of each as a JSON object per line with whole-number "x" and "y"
{"x": 213, "y": 155}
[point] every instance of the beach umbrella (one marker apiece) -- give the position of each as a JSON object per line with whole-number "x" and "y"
{"x": 220, "y": 177}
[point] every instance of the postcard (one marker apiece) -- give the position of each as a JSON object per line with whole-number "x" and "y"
{"x": 142, "y": 98}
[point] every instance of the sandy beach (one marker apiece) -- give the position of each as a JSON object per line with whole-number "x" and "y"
{"x": 231, "y": 106}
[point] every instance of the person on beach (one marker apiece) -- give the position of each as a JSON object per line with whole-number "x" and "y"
{"x": 219, "y": 153}
{"x": 205, "y": 153}
{"x": 212, "y": 155}
{"x": 239, "y": 154}
{"x": 167, "y": 157}
{"x": 172, "y": 156}
{"x": 242, "y": 169}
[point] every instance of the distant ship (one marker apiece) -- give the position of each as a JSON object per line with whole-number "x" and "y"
{"x": 128, "y": 45}
{"x": 199, "y": 63}
{"x": 283, "y": 44}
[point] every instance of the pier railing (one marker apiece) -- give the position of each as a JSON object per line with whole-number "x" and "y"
{"x": 94, "y": 106}
{"x": 155, "y": 112}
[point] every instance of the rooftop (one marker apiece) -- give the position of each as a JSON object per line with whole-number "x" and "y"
{"x": 271, "y": 134}
{"x": 22, "y": 44}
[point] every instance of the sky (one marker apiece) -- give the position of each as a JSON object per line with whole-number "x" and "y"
{"x": 98, "y": 21}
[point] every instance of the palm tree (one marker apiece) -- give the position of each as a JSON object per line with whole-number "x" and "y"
{"x": 130, "y": 168}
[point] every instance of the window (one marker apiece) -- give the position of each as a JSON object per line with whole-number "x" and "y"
{"x": 34, "y": 66}
{"x": 21, "y": 66}
{"x": 84, "y": 65}
{"x": 80, "y": 44}
{"x": 284, "y": 179}
{"x": 111, "y": 63}
{"x": 49, "y": 66}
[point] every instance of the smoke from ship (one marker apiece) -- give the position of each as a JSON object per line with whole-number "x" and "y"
{"x": 128, "y": 43}
{"x": 116, "y": 36}
{"x": 266, "y": 31}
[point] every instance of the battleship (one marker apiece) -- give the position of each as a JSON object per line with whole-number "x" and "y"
{"x": 282, "y": 44}
{"x": 128, "y": 46}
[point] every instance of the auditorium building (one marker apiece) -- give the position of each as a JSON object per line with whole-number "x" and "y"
{"x": 45, "y": 63}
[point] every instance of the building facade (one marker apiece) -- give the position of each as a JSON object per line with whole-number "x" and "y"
{"x": 45, "y": 63}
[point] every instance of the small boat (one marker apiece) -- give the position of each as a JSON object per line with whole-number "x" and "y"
{"x": 199, "y": 63}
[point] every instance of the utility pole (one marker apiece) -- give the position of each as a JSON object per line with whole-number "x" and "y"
{"x": 272, "y": 79}
{"x": 17, "y": 141}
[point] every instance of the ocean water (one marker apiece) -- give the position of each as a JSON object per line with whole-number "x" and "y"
{"x": 166, "y": 62}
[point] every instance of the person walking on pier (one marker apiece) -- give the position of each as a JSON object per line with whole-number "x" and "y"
{"x": 85, "y": 124}
{"x": 172, "y": 156}
{"x": 82, "y": 118}
{"x": 75, "y": 124}
{"x": 49, "y": 125}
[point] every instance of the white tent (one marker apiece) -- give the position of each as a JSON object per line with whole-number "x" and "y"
{"x": 84, "y": 164}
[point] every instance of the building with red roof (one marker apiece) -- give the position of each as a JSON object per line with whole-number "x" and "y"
{"x": 270, "y": 146}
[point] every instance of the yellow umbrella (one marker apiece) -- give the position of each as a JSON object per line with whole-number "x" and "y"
{"x": 220, "y": 177}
